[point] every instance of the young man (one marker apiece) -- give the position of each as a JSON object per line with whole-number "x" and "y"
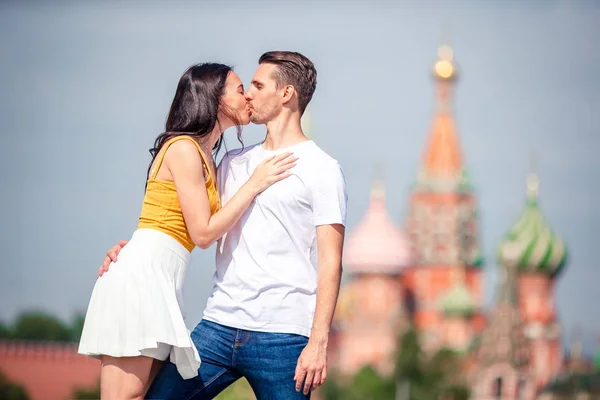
{"x": 279, "y": 268}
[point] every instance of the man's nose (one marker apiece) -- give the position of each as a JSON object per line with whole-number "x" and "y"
{"x": 248, "y": 95}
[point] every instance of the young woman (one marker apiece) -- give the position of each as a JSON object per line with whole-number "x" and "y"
{"x": 134, "y": 319}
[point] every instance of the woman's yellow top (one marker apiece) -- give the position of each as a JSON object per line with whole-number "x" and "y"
{"x": 161, "y": 209}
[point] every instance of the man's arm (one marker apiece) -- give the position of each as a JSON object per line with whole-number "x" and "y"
{"x": 312, "y": 364}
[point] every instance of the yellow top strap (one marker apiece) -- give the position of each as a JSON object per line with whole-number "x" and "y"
{"x": 169, "y": 142}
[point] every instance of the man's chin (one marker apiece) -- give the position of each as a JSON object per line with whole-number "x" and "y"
{"x": 256, "y": 121}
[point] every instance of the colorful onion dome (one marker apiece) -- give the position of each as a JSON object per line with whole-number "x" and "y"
{"x": 377, "y": 245}
{"x": 531, "y": 245}
{"x": 458, "y": 301}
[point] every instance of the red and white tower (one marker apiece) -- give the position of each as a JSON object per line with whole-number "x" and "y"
{"x": 442, "y": 220}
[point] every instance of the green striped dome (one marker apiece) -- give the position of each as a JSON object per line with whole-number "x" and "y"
{"x": 457, "y": 301}
{"x": 531, "y": 245}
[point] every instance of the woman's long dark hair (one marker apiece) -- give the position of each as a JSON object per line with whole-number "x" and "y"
{"x": 196, "y": 105}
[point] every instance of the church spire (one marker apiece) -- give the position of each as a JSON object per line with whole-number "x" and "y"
{"x": 533, "y": 182}
{"x": 442, "y": 159}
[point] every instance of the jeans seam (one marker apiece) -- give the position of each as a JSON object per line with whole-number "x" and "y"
{"x": 237, "y": 332}
{"x": 247, "y": 339}
{"x": 207, "y": 384}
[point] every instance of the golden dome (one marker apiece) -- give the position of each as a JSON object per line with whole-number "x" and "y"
{"x": 444, "y": 68}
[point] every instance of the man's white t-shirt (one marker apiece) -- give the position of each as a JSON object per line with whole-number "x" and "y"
{"x": 266, "y": 276}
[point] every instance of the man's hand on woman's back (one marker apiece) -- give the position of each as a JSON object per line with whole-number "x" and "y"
{"x": 111, "y": 256}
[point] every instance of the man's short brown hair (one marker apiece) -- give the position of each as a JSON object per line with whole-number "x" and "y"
{"x": 293, "y": 69}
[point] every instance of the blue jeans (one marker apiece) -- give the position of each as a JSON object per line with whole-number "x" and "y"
{"x": 267, "y": 360}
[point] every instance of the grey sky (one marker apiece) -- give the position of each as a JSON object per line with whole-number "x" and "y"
{"x": 85, "y": 89}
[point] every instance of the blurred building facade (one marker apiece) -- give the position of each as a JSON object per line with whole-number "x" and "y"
{"x": 513, "y": 351}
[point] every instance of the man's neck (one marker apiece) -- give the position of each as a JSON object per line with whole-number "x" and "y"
{"x": 283, "y": 132}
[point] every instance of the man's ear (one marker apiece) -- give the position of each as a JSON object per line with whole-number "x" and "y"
{"x": 288, "y": 93}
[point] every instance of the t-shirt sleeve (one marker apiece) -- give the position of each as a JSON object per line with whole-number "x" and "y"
{"x": 329, "y": 195}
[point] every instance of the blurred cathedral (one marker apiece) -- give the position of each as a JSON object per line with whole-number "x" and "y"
{"x": 429, "y": 275}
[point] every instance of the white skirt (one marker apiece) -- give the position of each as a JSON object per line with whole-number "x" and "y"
{"x": 136, "y": 308}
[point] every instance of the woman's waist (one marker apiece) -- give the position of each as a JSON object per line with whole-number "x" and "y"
{"x": 155, "y": 236}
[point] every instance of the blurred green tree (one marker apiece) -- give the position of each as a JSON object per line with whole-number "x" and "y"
{"x": 39, "y": 325}
{"x": 416, "y": 376}
{"x": 4, "y": 331}
{"x": 11, "y": 390}
{"x": 92, "y": 393}
{"x": 76, "y": 327}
